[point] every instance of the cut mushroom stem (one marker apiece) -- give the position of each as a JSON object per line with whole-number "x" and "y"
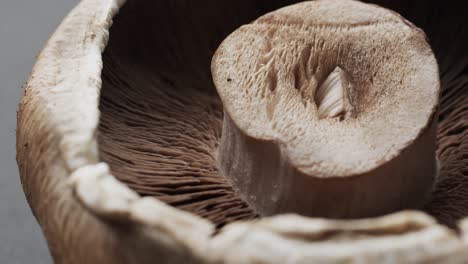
{"x": 338, "y": 117}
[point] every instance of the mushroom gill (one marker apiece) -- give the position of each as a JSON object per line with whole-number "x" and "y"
{"x": 161, "y": 117}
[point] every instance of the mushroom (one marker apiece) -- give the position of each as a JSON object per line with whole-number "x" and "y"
{"x": 119, "y": 131}
{"x": 330, "y": 110}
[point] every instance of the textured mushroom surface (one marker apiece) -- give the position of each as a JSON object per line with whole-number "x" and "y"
{"x": 330, "y": 110}
{"x": 91, "y": 143}
{"x": 161, "y": 117}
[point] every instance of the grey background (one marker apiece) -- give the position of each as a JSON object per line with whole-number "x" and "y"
{"x": 25, "y": 25}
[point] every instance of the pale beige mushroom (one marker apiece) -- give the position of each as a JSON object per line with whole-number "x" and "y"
{"x": 97, "y": 132}
{"x": 330, "y": 110}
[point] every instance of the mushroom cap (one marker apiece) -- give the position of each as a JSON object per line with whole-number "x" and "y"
{"x": 76, "y": 175}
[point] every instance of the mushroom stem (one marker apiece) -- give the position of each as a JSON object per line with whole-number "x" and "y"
{"x": 297, "y": 150}
{"x": 270, "y": 183}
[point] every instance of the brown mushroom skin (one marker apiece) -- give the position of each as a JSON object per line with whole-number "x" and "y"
{"x": 76, "y": 234}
